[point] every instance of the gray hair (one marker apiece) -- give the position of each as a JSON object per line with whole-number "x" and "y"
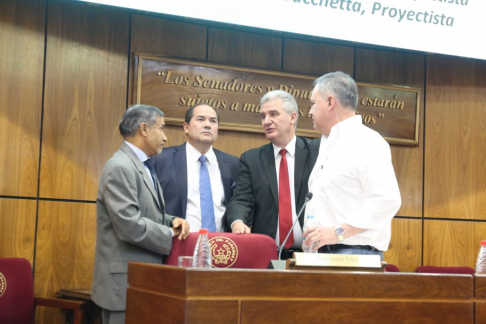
{"x": 341, "y": 86}
{"x": 135, "y": 115}
{"x": 289, "y": 103}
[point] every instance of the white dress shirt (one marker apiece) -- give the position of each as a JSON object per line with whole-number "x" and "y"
{"x": 353, "y": 182}
{"x": 193, "y": 210}
{"x": 291, "y": 167}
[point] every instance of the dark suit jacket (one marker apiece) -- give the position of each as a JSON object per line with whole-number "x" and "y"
{"x": 171, "y": 170}
{"x": 131, "y": 226}
{"x": 255, "y": 200}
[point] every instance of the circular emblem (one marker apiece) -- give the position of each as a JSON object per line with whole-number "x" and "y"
{"x": 3, "y": 284}
{"x": 224, "y": 252}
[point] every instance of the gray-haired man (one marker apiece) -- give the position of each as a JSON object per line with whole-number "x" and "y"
{"x": 272, "y": 179}
{"x": 131, "y": 221}
{"x": 355, "y": 190}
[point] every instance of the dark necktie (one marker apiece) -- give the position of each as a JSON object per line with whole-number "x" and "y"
{"x": 151, "y": 168}
{"x": 206, "y": 195}
{"x": 284, "y": 202}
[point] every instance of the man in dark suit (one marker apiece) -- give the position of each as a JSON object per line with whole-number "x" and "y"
{"x": 131, "y": 220}
{"x": 179, "y": 171}
{"x": 272, "y": 180}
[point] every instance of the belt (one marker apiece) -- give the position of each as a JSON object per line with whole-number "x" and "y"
{"x": 287, "y": 254}
{"x": 334, "y": 247}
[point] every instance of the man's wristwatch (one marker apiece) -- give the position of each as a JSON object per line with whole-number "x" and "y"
{"x": 339, "y": 231}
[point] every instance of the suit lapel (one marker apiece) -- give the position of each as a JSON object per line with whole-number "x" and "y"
{"x": 225, "y": 174}
{"x": 180, "y": 169}
{"x": 268, "y": 162}
{"x": 141, "y": 168}
{"x": 301, "y": 153}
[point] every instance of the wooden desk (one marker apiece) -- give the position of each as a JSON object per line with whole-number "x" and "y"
{"x": 480, "y": 298}
{"x": 166, "y": 294}
{"x": 92, "y": 313}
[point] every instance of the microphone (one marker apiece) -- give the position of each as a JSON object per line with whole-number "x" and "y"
{"x": 307, "y": 198}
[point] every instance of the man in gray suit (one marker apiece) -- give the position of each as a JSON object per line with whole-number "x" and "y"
{"x": 131, "y": 220}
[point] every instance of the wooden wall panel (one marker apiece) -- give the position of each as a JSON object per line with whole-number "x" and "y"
{"x": 244, "y": 49}
{"x": 17, "y": 228}
{"x": 455, "y": 150}
{"x": 168, "y": 37}
{"x": 21, "y": 68}
{"x": 66, "y": 241}
{"x": 405, "y": 250}
{"x": 452, "y": 243}
{"x": 85, "y": 96}
{"x": 406, "y": 70}
{"x": 317, "y": 58}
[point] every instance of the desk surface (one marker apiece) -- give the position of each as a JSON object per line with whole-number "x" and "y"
{"x": 268, "y": 296}
{"x": 82, "y": 294}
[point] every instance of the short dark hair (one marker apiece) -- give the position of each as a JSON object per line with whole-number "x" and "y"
{"x": 135, "y": 115}
{"x": 190, "y": 112}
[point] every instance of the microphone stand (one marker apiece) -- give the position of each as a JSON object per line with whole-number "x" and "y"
{"x": 282, "y": 246}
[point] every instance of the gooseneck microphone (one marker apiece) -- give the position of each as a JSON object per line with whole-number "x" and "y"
{"x": 282, "y": 246}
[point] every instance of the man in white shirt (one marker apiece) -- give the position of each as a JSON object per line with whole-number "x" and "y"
{"x": 182, "y": 171}
{"x": 272, "y": 181}
{"x": 355, "y": 189}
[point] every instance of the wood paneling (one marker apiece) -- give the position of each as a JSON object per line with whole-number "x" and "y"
{"x": 236, "y": 143}
{"x": 66, "y": 239}
{"x": 455, "y": 150}
{"x": 452, "y": 243}
{"x": 246, "y": 49}
{"x": 295, "y": 296}
{"x": 85, "y": 96}
{"x": 355, "y": 312}
{"x": 406, "y": 70}
{"x": 317, "y": 58}
{"x": 405, "y": 249}
{"x": 168, "y": 37}
{"x": 17, "y": 228}
{"x": 165, "y": 37}
{"x": 21, "y": 68}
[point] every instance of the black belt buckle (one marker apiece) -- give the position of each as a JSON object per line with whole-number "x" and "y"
{"x": 287, "y": 254}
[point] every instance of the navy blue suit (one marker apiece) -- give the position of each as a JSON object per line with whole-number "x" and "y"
{"x": 171, "y": 170}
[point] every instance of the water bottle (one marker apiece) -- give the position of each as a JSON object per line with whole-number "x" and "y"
{"x": 202, "y": 253}
{"x": 481, "y": 263}
{"x": 310, "y": 222}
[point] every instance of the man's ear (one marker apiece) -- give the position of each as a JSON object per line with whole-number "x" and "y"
{"x": 186, "y": 128}
{"x": 143, "y": 129}
{"x": 331, "y": 102}
{"x": 293, "y": 118}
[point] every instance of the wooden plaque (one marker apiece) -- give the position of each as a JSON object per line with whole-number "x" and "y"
{"x": 174, "y": 85}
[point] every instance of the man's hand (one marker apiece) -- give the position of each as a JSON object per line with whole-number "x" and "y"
{"x": 315, "y": 237}
{"x": 239, "y": 227}
{"x": 180, "y": 227}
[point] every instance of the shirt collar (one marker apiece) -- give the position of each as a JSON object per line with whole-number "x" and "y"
{"x": 347, "y": 124}
{"x": 290, "y": 148}
{"x": 193, "y": 154}
{"x": 138, "y": 152}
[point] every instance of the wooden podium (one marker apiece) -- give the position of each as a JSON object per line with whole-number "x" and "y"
{"x": 167, "y": 294}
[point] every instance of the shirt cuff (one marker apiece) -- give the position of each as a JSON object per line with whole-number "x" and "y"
{"x": 172, "y": 232}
